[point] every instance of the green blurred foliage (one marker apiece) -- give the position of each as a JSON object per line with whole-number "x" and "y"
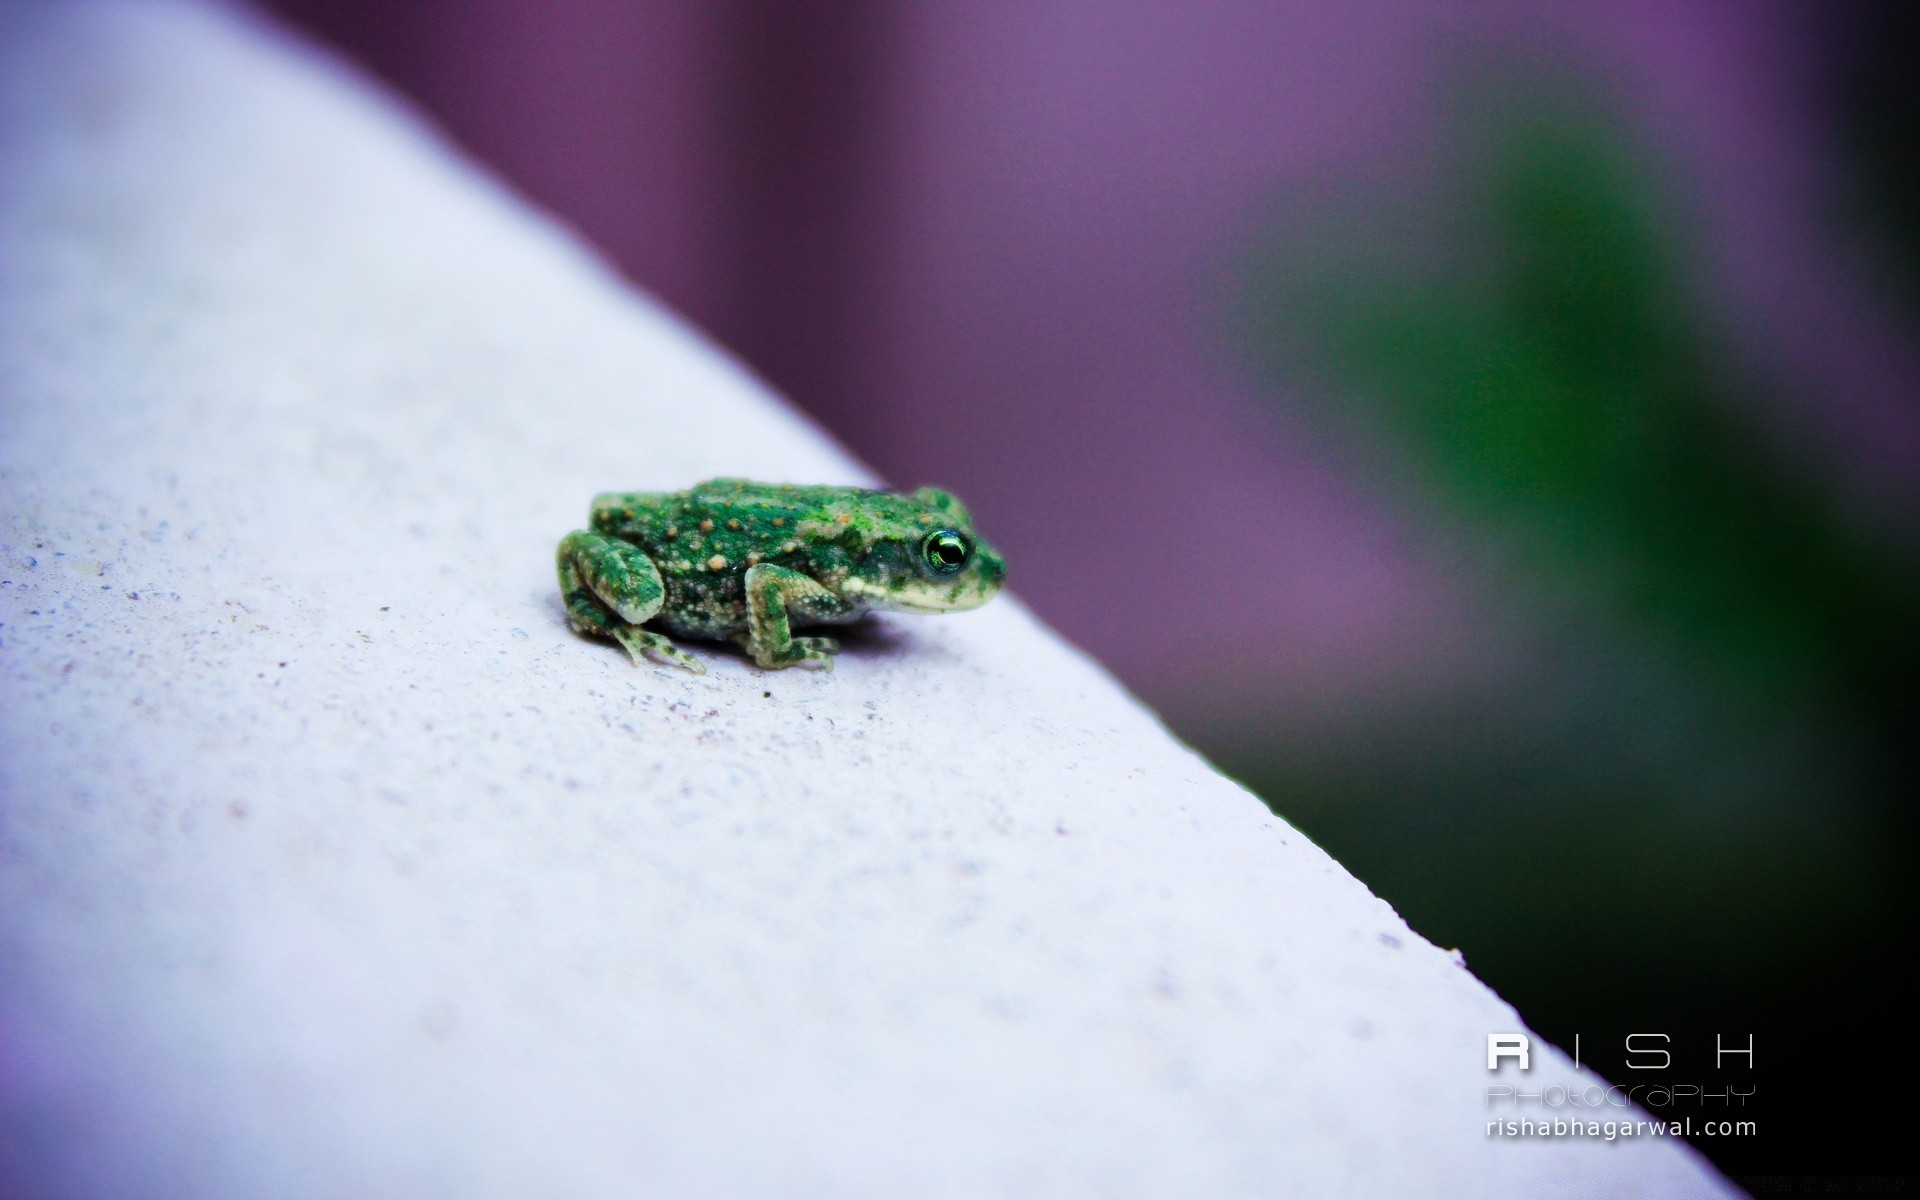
{"x": 1682, "y": 794}
{"x": 1552, "y": 380}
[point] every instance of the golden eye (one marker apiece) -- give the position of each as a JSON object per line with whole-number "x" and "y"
{"x": 945, "y": 551}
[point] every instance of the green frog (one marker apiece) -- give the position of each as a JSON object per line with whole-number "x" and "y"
{"x": 750, "y": 562}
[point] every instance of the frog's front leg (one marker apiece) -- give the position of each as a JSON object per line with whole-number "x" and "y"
{"x": 775, "y": 596}
{"x": 611, "y": 588}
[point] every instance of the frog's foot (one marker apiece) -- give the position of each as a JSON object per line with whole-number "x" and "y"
{"x": 799, "y": 651}
{"x": 642, "y": 644}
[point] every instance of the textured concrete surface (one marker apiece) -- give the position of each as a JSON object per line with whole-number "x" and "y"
{"x": 332, "y": 864}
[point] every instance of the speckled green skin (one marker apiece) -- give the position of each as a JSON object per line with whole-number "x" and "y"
{"x": 750, "y": 561}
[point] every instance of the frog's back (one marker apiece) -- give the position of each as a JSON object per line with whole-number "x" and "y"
{"x": 774, "y": 498}
{"x": 629, "y": 515}
{"x": 730, "y": 517}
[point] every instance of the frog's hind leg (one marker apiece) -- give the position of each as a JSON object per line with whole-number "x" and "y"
{"x": 611, "y": 589}
{"x": 602, "y": 578}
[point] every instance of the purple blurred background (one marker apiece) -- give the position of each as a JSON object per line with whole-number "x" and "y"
{"x": 998, "y": 246}
{"x": 986, "y": 245}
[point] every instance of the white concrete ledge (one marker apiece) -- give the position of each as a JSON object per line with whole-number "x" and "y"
{"x": 332, "y": 864}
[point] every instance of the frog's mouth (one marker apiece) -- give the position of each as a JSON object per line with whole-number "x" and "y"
{"x": 915, "y": 595}
{"x": 904, "y": 601}
{"x": 980, "y": 584}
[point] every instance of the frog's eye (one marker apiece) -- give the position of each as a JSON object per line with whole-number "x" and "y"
{"x": 945, "y": 551}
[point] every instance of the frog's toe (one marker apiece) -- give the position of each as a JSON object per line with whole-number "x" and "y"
{"x": 799, "y": 652}
{"x": 642, "y": 644}
{"x": 815, "y": 652}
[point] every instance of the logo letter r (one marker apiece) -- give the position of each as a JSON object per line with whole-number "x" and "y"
{"x": 1506, "y": 1045}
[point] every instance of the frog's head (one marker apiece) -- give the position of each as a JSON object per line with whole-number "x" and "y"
{"x": 919, "y": 553}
